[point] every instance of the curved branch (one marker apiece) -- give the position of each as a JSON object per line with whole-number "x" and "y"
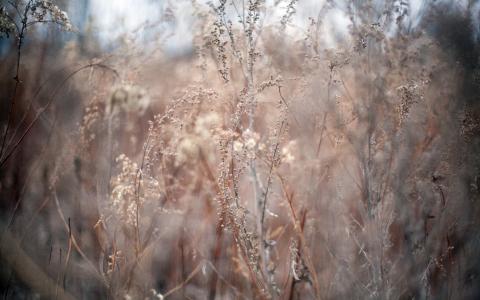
{"x": 46, "y": 106}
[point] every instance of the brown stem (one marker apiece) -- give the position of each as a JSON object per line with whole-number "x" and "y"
{"x": 21, "y": 36}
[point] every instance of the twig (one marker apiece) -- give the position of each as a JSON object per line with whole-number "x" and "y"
{"x": 305, "y": 250}
{"x": 74, "y": 241}
{"x": 21, "y": 36}
{"x": 27, "y": 270}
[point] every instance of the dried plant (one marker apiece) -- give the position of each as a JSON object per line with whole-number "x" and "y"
{"x": 295, "y": 150}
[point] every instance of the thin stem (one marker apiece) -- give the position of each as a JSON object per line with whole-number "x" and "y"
{"x": 7, "y": 156}
{"x": 269, "y": 179}
{"x": 21, "y": 36}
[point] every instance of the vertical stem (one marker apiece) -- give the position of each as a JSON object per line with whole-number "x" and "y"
{"x": 21, "y": 36}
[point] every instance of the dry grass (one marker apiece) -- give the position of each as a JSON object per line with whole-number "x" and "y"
{"x": 275, "y": 161}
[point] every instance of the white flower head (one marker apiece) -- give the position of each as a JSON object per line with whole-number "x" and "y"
{"x": 288, "y": 152}
{"x": 250, "y": 139}
{"x": 205, "y": 124}
{"x": 247, "y": 144}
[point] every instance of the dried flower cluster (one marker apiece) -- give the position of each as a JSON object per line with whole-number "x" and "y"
{"x": 7, "y": 26}
{"x": 131, "y": 190}
{"x": 409, "y": 95}
{"x": 44, "y": 11}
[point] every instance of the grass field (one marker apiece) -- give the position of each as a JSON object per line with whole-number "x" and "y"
{"x": 240, "y": 149}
